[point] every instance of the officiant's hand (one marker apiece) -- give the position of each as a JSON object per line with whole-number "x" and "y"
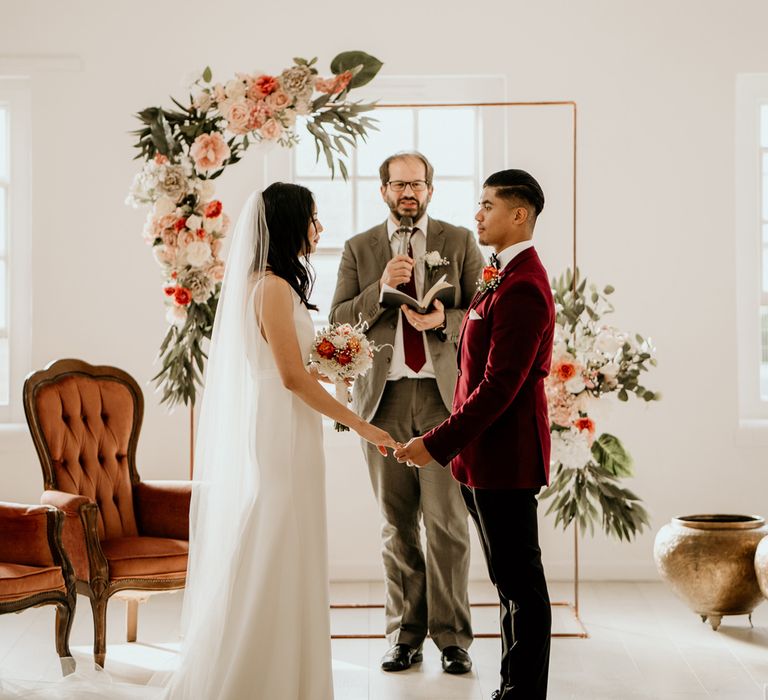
{"x": 426, "y": 322}
{"x": 414, "y": 453}
{"x": 398, "y": 271}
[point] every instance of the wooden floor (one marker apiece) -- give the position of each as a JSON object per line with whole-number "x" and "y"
{"x": 643, "y": 643}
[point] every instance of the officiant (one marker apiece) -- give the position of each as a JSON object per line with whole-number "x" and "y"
{"x": 409, "y": 391}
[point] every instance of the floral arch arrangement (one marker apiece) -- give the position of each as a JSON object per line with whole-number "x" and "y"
{"x": 186, "y": 149}
{"x": 591, "y": 360}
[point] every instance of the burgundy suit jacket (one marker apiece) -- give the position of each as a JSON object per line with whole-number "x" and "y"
{"x": 498, "y": 434}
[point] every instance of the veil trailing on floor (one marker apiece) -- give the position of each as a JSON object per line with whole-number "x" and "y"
{"x": 226, "y": 487}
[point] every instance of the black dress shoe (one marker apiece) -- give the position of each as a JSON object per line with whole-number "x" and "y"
{"x": 400, "y": 657}
{"x": 456, "y": 660}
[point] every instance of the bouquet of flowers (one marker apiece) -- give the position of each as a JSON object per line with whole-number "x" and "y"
{"x": 186, "y": 149}
{"x": 590, "y": 360}
{"x": 342, "y": 352}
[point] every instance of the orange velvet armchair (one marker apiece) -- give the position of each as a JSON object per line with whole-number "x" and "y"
{"x": 122, "y": 534}
{"x": 34, "y": 569}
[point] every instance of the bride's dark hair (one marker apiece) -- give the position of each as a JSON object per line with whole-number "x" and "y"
{"x": 288, "y": 211}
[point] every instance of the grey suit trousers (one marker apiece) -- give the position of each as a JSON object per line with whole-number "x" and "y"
{"x": 423, "y": 594}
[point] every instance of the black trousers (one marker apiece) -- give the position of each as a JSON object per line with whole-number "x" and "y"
{"x": 508, "y": 529}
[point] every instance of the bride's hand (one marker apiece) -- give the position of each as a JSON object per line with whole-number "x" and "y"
{"x": 381, "y": 438}
{"x": 317, "y": 374}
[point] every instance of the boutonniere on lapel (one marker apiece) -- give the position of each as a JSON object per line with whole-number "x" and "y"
{"x": 433, "y": 259}
{"x": 490, "y": 278}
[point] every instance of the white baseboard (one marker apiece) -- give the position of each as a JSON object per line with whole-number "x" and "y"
{"x": 556, "y": 571}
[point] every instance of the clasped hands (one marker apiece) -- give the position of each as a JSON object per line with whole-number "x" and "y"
{"x": 414, "y": 453}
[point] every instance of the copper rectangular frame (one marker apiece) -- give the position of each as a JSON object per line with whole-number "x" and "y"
{"x": 574, "y": 606}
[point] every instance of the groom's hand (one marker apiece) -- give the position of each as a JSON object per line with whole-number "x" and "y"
{"x": 414, "y": 453}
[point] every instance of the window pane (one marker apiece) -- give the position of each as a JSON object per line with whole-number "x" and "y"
{"x": 326, "y": 270}
{"x": 447, "y": 138}
{"x": 765, "y": 187}
{"x": 334, "y": 209}
{"x": 3, "y": 219}
{"x": 395, "y": 134}
{"x": 305, "y": 154}
{"x": 4, "y": 174}
{"x": 765, "y": 259}
{"x": 5, "y": 391}
{"x": 455, "y": 201}
{"x": 371, "y": 209}
{"x": 764, "y": 126}
{"x": 3, "y": 297}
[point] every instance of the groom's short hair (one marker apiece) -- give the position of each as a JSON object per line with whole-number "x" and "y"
{"x": 517, "y": 186}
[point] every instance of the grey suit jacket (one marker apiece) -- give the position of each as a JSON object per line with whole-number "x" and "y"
{"x": 357, "y": 297}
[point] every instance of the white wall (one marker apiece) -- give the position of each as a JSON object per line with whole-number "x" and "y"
{"x": 654, "y": 82}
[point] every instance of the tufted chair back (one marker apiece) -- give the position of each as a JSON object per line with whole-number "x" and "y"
{"x": 85, "y": 423}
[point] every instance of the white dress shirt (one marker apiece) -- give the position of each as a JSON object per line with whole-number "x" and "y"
{"x": 511, "y": 252}
{"x": 398, "y": 369}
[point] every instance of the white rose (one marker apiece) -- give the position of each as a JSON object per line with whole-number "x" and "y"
{"x": 610, "y": 370}
{"x": 194, "y": 222}
{"x": 164, "y": 206}
{"x": 571, "y": 448}
{"x": 176, "y": 315}
{"x": 575, "y": 385}
{"x": 203, "y": 101}
{"x": 235, "y": 89}
{"x": 197, "y": 254}
{"x": 212, "y": 225}
{"x": 608, "y": 344}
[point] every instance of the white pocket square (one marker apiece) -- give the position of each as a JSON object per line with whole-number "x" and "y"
{"x": 474, "y": 316}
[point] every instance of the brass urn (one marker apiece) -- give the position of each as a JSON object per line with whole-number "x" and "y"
{"x": 709, "y": 561}
{"x": 761, "y": 565}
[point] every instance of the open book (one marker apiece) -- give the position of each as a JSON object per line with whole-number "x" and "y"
{"x": 395, "y": 298}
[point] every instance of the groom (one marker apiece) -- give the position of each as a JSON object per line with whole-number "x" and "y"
{"x": 497, "y": 438}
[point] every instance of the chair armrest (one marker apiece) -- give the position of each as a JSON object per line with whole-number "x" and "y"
{"x": 162, "y": 508}
{"x": 73, "y": 536}
{"x": 24, "y": 537}
{"x": 70, "y": 503}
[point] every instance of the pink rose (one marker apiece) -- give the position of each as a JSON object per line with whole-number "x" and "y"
{"x": 209, "y": 151}
{"x": 170, "y": 237}
{"x": 216, "y": 246}
{"x": 271, "y": 129}
{"x": 238, "y": 113}
{"x": 216, "y": 271}
{"x": 262, "y": 86}
{"x": 186, "y": 237}
{"x": 278, "y": 100}
{"x": 259, "y": 114}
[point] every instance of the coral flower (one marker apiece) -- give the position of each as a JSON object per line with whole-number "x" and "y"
{"x": 209, "y": 151}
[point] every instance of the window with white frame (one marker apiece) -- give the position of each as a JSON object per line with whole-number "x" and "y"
{"x": 15, "y": 293}
{"x": 5, "y": 186}
{"x": 752, "y": 247}
{"x": 449, "y": 138}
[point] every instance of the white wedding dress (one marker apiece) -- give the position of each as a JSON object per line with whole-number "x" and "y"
{"x": 256, "y": 616}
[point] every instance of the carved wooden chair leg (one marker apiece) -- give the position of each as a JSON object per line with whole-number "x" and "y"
{"x": 99, "y": 609}
{"x": 131, "y": 619}
{"x": 64, "y": 615}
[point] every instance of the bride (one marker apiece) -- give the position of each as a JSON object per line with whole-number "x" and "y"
{"x": 255, "y": 615}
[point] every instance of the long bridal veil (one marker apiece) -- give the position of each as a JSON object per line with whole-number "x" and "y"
{"x": 226, "y": 486}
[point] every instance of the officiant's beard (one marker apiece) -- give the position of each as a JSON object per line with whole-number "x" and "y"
{"x": 399, "y": 211}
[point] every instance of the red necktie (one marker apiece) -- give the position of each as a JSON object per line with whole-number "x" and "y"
{"x": 413, "y": 342}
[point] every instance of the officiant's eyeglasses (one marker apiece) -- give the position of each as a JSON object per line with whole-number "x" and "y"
{"x": 415, "y": 185}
